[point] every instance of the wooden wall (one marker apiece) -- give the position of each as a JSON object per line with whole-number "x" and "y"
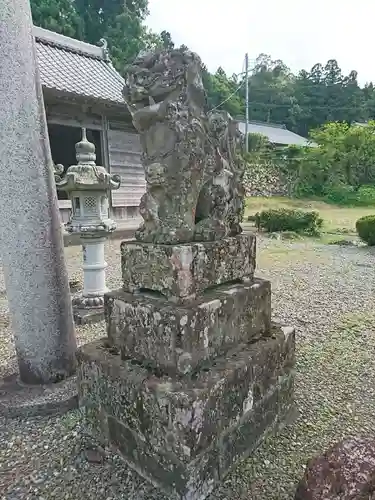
{"x": 120, "y": 143}
{"x": 124, "y": 152}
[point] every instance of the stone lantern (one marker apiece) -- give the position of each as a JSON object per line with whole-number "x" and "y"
{"x": 87, "y": 186}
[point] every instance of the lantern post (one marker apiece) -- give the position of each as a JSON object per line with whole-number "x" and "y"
{"x": 87, "y": 186}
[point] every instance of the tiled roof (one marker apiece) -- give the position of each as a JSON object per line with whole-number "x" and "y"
{"x": 277, "y": 134}
{"x": 73, "y": 67}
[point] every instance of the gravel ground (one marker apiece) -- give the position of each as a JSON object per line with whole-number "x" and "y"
{"x": 325, "y": 291}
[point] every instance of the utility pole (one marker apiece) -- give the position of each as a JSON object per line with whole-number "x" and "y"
{"x": 247, "y": 103}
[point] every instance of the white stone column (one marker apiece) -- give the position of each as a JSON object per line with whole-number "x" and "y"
{"x": 94, "y": 266}
{"x": 31, "y": 242}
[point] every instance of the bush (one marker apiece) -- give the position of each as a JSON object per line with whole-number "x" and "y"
{"x": 298, "y": 221}
{"x": 365, "y": 227}
{"x": 343, "y": 194}
{"x": 365, "y": 196}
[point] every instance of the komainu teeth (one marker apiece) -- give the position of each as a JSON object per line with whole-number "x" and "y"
{"x": 151, "y": 100}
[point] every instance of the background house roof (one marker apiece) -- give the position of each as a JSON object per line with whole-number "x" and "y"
{"x": 77, "y": 68}
{"x": 277, "y": 134}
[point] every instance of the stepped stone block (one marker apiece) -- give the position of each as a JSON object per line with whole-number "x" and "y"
{"x": 181, "y": 272}
{"x": 179, "y": 338}
{"x": 184, "y": 434}
{"x": 192, "y": 374}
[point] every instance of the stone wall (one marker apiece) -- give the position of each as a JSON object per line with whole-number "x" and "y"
{"x": 265, "y": 179}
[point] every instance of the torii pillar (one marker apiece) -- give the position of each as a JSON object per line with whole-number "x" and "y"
{"x": 31, "y": 244}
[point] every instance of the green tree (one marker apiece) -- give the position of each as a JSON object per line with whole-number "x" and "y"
{"x": 120, "y": 22}
{"x": 260, "y": 149}
{"x": 302, "y": 102}
{"x": 350, "y": 151}
{"x": 101, "y": 17}
{"x": 223, "y": 92}
{"x": 60, "y": 16}
{"x": 270, "y": 91}
{"x": 324, "y": 95}
{"x": 126, "y": 36}
{"x": 166, "y": 40}
{"x": 341, "y": 162}
{"x": 369, "y": 101}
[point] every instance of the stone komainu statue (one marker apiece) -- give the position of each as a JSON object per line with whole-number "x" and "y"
{"x": 193, "y": 174}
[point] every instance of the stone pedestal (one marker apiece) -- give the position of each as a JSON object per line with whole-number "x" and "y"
{"x": 88, "y": 315}
{"x": 180, "y": 339}
{"x": 192, "y": 374}
{"x": 182, "y": 272}
{"x": 88, "y": 306}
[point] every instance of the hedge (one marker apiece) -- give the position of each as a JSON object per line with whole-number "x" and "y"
{"x": 299, "y": 221}
{"x": 365, "y": 227}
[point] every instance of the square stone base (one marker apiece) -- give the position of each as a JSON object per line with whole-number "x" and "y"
{"x": 88, "y": 316}
{"x": 180, "y": 338}
{"x": 182, "y": 272}
{"x": 184, "y": 434}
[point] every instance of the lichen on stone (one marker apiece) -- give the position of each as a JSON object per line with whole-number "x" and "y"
{"x": 194, "y": 176}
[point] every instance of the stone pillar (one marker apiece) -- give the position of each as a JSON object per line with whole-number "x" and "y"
{"x": 94, "y": 266}
{"x": 31, "y": 241}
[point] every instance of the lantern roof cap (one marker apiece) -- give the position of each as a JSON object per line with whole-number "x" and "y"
{"x": 86, "y": 175}
{"x": 85, "y": 150}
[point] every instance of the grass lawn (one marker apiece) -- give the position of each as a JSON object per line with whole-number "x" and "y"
{"x": 336, "y": 219}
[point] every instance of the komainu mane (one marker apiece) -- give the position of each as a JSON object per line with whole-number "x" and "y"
{"x": 193, "y": 174}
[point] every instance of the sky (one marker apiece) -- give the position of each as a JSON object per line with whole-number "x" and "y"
{"x": 299, "y": 32}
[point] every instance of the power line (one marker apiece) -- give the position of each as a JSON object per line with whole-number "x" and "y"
{"x": 275, "y": 105}
{"x": 265, "y": 105}
{"x": 229, "y": 97}
{"x": 290, "y": 105}
{"x": 234, "y": 92}
{"x": 240, "y": 85}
